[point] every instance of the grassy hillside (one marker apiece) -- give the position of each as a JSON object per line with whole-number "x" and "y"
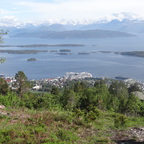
{"x": 46, "y": 126}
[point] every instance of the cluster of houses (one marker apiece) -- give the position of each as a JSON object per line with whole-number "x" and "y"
{"x": 60, "y": 81}
{"x": 9, "y": 80}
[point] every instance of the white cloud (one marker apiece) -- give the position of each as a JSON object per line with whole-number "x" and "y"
{"x": 81, "y": 9}
{"x": 27, "y": 10}
{"x": 121, "y": 16}
{"x": 9, "y": 21}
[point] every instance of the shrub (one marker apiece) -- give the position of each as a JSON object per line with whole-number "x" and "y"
{"x": 120, "y": 120}
{"x": 66, "y": 135}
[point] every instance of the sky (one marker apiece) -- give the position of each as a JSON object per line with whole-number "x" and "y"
{"x": 15, "y": 11}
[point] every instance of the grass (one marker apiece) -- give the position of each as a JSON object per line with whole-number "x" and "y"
{"x": 58, "y": 127}
{"x": 136, "y": 122}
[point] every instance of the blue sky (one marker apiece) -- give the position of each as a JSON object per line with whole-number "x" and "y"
{"x": 34, "y": 10}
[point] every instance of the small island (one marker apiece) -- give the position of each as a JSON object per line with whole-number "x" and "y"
{"x": 31, "y": 59}
{"x": 83, "y": 53}
{"x": 64, "y": 50}
{"x": 2, "y": 60}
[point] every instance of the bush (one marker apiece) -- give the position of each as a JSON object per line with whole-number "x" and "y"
{"x": 120, "y": 120}
{"x": 66, "y": 135}
{"x": 11, "y": 100}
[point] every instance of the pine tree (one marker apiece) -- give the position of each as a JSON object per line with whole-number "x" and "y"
{"x": 21, "y": 83}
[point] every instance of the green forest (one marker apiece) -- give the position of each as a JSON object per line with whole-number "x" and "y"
{"x": 77, "y": 113}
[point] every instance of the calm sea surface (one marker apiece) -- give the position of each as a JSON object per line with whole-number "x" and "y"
{"x": 51, "y": 64}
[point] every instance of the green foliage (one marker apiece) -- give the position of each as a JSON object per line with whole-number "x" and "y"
{"x": 92, "y": 113}
{"x": 55, "y": 90}
{"x": 102, "y": 95}
{"x": 4, "y": 135}
{"x": 40, "y": 101}
{"x": 97, "y": 96}
{"x": 21, "y": 83}
{"x": 11, "y": 100}
{"x": 88, "y": 98}
{"x": 48, "y": 126}
{"x": 118, "y": 89}
{"x": 99, "y": 83}
{"x": 141, "y": 112}
{"x": 133, "y": 105}
{"x": 2, "y": 33}
{"x": 135, "y": 121}
{"x": 119, "y": 92}
{"x": 79, "y": 113}
{"x": 133, "y": 87}
{"x": 100, "y": 140}
{"x": 66, "y": 136}
{"x": 3, "y": 86}
{"x": 79, "y": 87}
{"x": 69, "y": 99}
{"x": 120, "y": 120}
{"x": 77, "y": 96}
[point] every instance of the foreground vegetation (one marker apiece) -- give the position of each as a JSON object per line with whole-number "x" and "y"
{"x": 62, "y": 127}
{"x": 78, "y": 113}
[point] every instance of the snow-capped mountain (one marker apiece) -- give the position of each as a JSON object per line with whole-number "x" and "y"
{"x": 124, "y": 22}
{"x": 126, "y": 25}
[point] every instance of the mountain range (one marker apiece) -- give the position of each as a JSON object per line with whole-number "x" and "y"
{"x": 101, "y": 29}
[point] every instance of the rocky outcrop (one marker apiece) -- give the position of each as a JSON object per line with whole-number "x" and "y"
{"x": 131, "y": 136}
{"x": 2, "y": 107}
{"x": 138, "y": 133}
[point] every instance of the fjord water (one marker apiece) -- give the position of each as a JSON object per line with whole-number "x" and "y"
{"x": 51, "y": 64}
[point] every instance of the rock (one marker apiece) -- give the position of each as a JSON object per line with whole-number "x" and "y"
{"x": 3, "y": 113}
{"x": 138, "y": 132}
{"x": 132, "y": 136}
{"x": 9, "y": 114}
{"x": 2, "y": 107}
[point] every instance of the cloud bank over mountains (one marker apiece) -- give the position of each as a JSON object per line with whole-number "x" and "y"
{"x": 11, "y": 21}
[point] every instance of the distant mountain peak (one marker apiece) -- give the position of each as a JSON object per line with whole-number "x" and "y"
{"x": 116, "y": 17}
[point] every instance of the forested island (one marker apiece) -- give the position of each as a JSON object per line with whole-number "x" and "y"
{"x": 128, "y": 53}
{"x": 23, "y": 51}
{"x": 132, "y": 53}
